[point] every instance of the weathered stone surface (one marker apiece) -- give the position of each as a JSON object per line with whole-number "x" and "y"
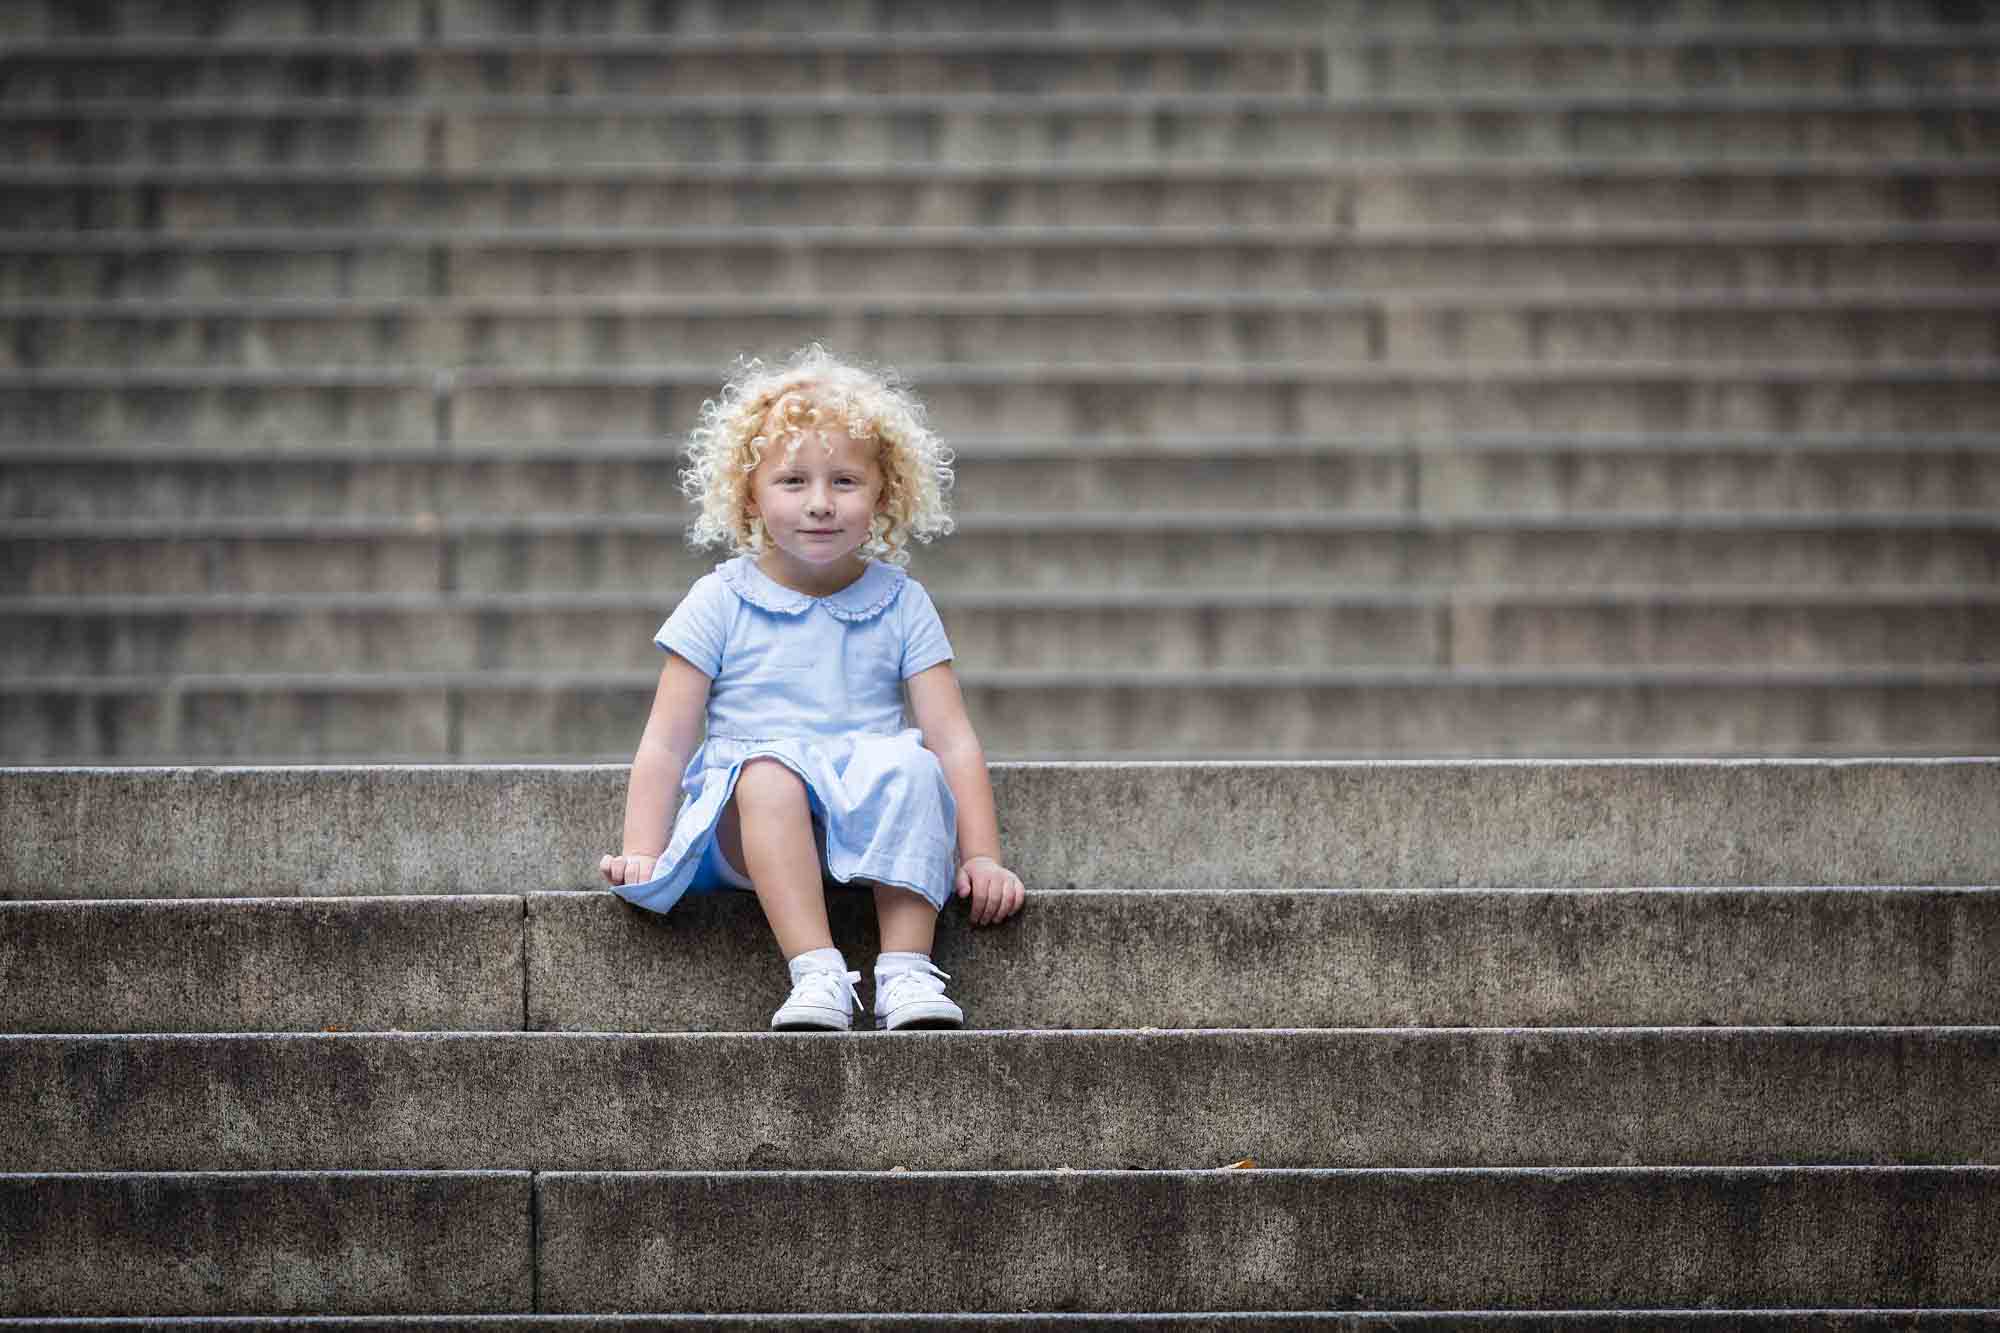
{"x": 312, "y": 832}
{"x": 1264, "y": 1240}
{"x": 1282, "y": 713}
{"x": 976, "y": 1101}
{"x": 1504, "y": 823}
{"x": 591, "y": 962}
{"x": 439, "y": 830}
{"x": 646, "y": 558}
{"x": 1476, "y": 476}
{"x": 1238, "y": 329}
{"x": 1658, "y": 1321}
{"x": 1490, "y": 194}
{"x": 208, "y": 1242}
{"x": 262, "y": 965}
{"x": 1511, "y": 957}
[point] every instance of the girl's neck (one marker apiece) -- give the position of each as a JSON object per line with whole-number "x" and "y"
{"x": 812, "y": 580}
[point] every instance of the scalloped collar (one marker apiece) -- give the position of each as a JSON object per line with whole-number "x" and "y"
{"x": 865, "y": 598}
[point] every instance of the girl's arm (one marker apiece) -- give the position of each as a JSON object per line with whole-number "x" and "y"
{"x": 938, "y": 707}
{"x": 673, "y": 730}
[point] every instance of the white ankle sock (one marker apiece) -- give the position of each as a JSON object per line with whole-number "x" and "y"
{"x": 817, "y": 960}
{"x": 889, "y": 964}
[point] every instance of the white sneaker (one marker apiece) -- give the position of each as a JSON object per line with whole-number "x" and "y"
{"x": 821, "y": 1001}
{"x": 915, "y": 998}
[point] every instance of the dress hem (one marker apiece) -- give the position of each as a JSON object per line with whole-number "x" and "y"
{"x": 670, "y": 885}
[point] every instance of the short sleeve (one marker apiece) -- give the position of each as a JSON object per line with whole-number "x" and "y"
{"x": 699, "y": 626}
{"x": 924, "y": 641}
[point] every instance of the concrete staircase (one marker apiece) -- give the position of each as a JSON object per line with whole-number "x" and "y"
{"x": 1340, "y": 378}
{"x": 1636, "y": 1045}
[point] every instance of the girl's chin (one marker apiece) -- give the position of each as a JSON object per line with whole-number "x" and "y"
{"x": 821, "y": 554}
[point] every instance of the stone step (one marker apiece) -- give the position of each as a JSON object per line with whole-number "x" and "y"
{"x": 1167, "y": 401}
{"x": 1163, "y": 61}
{"x": 173, "y": 200}
{"x": 1335, "y": 20}
{"x": 1457, "y": 1240}
{"x": 873, "y": 1102}
{"x": 450, "y": 963}
{"x": 1758, "y": 1321}
{"x": 206, "y": 1242}
{"x": 37, "y": 21}
{"x": 180, "y": 200}
{"x": 1150, "y": 128}
{"x": 1785, "y": 1238}
{"x": 1383, "y": 958}
{"x": 1345, "y": 21}
{"x": 1558, "y": 474}
{"x": 1145, "y": 550}
{"x": 1076, "y": 630}
{"x": 1721, "y": 59}
{"x": 1474, "y": 473}
{"x": 992, "y": 477}
{"x": 506, "y": 717}
{"x": 1096, "y": 1239}
{"x": 360, "y": 831}
{"x": 1417, "y": 330}
{"x": 1741, "y": 258}
{"x": 1338, "y": 18}
{"x": 1516, "y": 957}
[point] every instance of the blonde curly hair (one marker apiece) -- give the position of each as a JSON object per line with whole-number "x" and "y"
{"x": 762, "y": 405}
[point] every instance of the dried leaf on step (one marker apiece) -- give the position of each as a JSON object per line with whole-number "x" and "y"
{"x": 1242, "y": 1164}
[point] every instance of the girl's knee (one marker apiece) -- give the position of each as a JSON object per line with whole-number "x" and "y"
{"x": 766, "y": 785}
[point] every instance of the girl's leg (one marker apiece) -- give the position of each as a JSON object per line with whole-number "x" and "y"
{"x": 909, "y": 988}
{"x": 767, "y": 830}
{"x": 906, "y": 920}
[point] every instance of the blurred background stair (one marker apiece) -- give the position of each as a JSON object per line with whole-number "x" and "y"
{"x": 1328, "y": 379}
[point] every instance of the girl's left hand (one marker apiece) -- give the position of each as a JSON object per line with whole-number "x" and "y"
{"x": 630, "y": 868}
{"x": 996, "y": 891}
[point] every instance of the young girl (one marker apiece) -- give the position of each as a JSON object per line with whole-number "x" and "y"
{"x": 796, "y": 654}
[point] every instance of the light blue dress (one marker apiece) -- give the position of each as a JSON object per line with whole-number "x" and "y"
{"x": 815, "y": 683}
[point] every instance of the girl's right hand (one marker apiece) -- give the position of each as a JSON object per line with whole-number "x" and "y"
{"x": 627, "y": 869}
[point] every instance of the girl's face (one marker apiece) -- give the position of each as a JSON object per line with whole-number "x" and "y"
{"x": 816, "y": 506}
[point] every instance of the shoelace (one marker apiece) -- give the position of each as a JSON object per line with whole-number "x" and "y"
{"x": 825, "y": 987}
{"x": 924, "y": 977}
